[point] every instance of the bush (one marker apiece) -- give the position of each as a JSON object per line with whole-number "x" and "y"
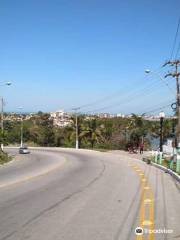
{"x": 4, "y": 158}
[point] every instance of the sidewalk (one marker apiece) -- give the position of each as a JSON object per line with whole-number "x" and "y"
{"x": 145, "y": 154}
{"x": 127, "y": 154}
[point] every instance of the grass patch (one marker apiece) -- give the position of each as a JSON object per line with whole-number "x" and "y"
{"x": 101, "y": 150}
{"x": 166, "y": 163}
{"x": 4, "y": 158}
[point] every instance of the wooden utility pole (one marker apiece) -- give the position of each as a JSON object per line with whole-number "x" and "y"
{"x": 176, "y": 75}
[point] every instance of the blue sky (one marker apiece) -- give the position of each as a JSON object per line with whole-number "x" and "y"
{"x": 60, "y": 54}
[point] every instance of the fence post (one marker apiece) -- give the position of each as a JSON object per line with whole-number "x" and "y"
{"x": 160, "y": 158}
{"x": 178, "y": 164}
{"x": 156, "y": 157}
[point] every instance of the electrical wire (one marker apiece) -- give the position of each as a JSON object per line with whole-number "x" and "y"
{"x": 133, "y": 93}
{"x": 128, "y": 99}
{"x": 108, "y": 97}
{"x": 104, "y": 99}
{"x": 178, "y": 49}
{"x": 113, "y": 95}
{"x": 175, "y": 38}
{"x": 157, "y": 107}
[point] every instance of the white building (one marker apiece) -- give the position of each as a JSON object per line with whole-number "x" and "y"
{"x": 61, "y": 118}
{"x": 120, "y": 115}
{"x": 103, "y": 115}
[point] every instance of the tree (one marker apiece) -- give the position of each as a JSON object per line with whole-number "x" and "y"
{"x": 91, "y": 132}
{"x": 137, "y": 125}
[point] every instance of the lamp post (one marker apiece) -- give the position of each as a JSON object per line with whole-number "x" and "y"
{"x": 148, "y": 71}
{"x": 77, "y": 137}
{"x": 2, "y": 115}
{"x": 20, "y": 108}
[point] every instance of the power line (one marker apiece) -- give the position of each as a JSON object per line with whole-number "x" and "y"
{"x": 175, "y": 38}
{"x": 113, "y": 95}
{"x": 157, "y": 107}
{"x": 167, "y": 85}
{"x": 178, "y": 49}
{"x": 108, "y": 97}
{"x": 132, "y": 93}
{"x": 128, "y": 99}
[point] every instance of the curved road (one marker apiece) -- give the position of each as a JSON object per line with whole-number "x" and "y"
{"x": 86, "y": 195}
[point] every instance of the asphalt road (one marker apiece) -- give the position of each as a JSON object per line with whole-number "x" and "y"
{"x": 86, "y": 195}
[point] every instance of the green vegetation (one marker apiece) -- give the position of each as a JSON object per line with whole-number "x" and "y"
{"x": 4, "y": 158}
{"x": 94, "y": 132}
{"x": 167, "y": 162}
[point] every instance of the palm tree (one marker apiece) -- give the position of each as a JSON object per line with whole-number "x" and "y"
{"x": 138, "y": 129}
{"x": 91, "y": 132}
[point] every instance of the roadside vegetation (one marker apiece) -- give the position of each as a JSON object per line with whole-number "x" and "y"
{"x": 4, "y": 158}
{"x": 94, "y": 133}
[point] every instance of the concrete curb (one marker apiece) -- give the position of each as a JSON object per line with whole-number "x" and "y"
{"x": 173, "y": 174}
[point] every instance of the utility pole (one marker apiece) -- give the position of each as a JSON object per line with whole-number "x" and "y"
{"x": 161, "y": 134}
{"x": 77, "y": 137}
{"x": 176, "y": 75}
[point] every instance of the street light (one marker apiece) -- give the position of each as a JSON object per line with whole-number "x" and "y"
{"x": 2, "y": 114}
{"x": 20, "y": 108}
{"x": 5, "y": 83}
{"x": 8, "y": 83}
{"x": 161, "y": 116}
{"x": 77, "y": 137}
{"x": 148, "y": 71}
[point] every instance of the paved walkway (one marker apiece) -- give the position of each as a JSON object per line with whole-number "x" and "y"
{"x": 132, "y": 155}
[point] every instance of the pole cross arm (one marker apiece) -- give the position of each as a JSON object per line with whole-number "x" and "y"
{"x": 177, "y": 62}
{"x": 172, "y": 75}
{"x": 166, "y": 63}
